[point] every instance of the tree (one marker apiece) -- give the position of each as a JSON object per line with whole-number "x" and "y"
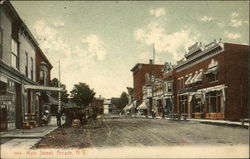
{"x": 64, "y": 95}
{"x": 123, "y": 100}
{"x": 82, "y": 95}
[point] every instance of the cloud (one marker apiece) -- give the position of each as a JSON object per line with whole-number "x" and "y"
{"x": 235, "y": 15}
{"x": 221, "y": 24}
{"x": 95, "y": 46}
{"x": 206, "y": 19}
{"x": 158, "y": 12}
{"x": 230, "y": 35}
{"x": 59, "y": 23}
{"x": 235, "y": 21}
{"x": 173, "y": 44}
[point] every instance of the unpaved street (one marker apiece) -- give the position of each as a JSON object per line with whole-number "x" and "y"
{"x": 144, "y": 132}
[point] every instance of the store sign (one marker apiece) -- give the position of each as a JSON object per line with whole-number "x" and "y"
{"x": 43, "y": 88}
{"x": 5, "y": 98}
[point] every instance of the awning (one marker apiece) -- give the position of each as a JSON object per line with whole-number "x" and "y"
{"x": 188, "y": 80}
{"x": 53, "y": 101}
{"x": 44, "y": 88}
{"x": 215, "y": 88}
{"x": 193, "y": 79}
{"x": 142, "y": 106}
{"x": 212, "y": 70}
{"x": 198, "y": 77}
{"x": 130, "y": 106}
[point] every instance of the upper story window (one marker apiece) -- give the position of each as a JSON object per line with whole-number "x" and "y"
{"x": 212, "y": 72}
{"x": 169, "y": 86}
{"x": 31, "y": 68}
{"x": 44, "y": 74}
{"x": 14, "y": 54}
{"x": 181, "y": 83}
{"x": 26, "y": 64}
{"x": 1, "y": 43}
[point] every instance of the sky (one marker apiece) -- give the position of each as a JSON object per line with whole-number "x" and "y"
{"x": 99, "y": 42}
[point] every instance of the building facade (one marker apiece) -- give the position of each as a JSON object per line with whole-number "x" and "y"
{"x": 211, "y": 82}
{"x": 168, "y": 96}
{"x": 20, "y": 72}
{"x": 140, "y": 74}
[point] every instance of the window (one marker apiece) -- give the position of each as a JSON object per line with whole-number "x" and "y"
{"x": 26, "y": 64}
{"x": 44, "y": 74}
{"x": 14, "y": 54}
{"x": 214, "y": 102}
{"x": 31, "y": 68}
{"x": 1, "y": 43}
{"x": 212, "y": 77}
{"x": 183, "y": 103}
{"x": 169, "y": 87}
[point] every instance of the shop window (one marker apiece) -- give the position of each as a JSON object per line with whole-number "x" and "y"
{"x": 197, "y": 107}
{"x": 183, "y": 103}
{"x": 214, "y": 101}
{"x": 14, "y": 54}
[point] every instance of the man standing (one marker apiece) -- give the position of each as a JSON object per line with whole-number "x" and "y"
{"x": 58, "y": 117}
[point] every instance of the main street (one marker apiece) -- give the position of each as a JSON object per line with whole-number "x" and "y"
{"x": 145, "y": 132}
{"x": 134, "y": 137}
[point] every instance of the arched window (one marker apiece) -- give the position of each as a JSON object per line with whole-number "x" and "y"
{"x": 44, "y": 73}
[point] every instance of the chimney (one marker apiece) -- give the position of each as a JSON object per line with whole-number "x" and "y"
{"x": 150, "y": 61}
{"x": 100, "y": 96}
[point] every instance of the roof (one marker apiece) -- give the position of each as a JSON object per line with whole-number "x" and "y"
{"x": 44, "y": 57}
{"x": 135, "y": 67}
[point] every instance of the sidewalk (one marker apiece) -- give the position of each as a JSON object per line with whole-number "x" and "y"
{"x": 25, "y": 138}
{"x": 37, "y": 132}
{"x": 208, "y": 121}
{"x": 221, "y": 122}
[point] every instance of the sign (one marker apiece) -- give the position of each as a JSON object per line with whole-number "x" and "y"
{"x": 46, "y": 88}
{"x": 5, "y": 98}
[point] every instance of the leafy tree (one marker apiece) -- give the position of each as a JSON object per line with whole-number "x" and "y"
{"x": 64, "y": 95}
{"x": 82, "y": 95}
{"x": 123, "y": 100}
{"x": 120, "y": 102}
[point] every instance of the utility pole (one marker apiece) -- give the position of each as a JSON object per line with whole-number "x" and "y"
{"x": 59, "y": 93}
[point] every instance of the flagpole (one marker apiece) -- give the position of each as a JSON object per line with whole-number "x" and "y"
{"x": 153, "y": 53}
{"x": 59, "y": 85}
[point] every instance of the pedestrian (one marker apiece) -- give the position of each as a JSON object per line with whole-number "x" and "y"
{"x": 58, "y": 118}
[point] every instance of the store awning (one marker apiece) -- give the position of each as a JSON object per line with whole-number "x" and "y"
{"x": 193, "y": 79}
{"x": 130, "y": 106}
{"x": 198, "y": 78}
{"x": 142, "y": 106}
{"x": 188, "y": 80}
{"x": 44, "y": 88}
{"x": 212, "y": 70}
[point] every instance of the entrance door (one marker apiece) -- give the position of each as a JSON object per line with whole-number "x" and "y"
{"x": 3, "y": 117}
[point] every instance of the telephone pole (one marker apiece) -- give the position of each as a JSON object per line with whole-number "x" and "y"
{"x": 59, "y": 93}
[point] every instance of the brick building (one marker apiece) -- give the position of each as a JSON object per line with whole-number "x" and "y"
{"x": 211, "y": 82}
{"x": 141, "y": 72}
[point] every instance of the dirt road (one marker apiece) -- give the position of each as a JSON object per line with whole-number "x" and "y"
{"x": 144, "y": 132}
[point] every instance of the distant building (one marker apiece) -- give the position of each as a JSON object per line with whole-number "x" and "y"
{"x": 140, "y": 73}
{"x": 99, "y": 104}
